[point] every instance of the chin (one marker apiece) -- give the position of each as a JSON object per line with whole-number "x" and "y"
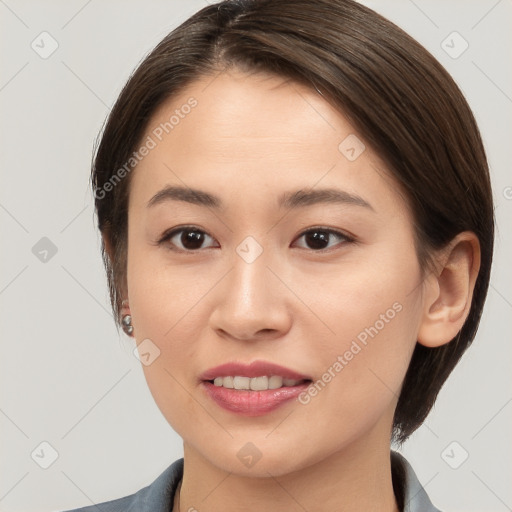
{"x": 261, "y": 460}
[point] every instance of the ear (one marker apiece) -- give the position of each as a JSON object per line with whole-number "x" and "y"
{"x": 449, "y": 291}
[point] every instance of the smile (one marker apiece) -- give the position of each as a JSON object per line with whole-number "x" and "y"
{"x": 255, "y": 383}
{"x": 252, "y": 389}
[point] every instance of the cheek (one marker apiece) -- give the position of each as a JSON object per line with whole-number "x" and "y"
{"x": 167, "y": 311}
{"x": 163, "y": 296}
{"x": 374, "y": 313}
{"x": 360, "y": 374}
{"x": 374, "y": 299}
{"x": 168, "y": 305}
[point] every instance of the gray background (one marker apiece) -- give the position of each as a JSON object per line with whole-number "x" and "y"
{"x": 69, "y": 379}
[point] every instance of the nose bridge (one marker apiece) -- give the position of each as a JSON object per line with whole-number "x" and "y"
{"x": 250, "y": 300}
{"x": 251, "y": 275}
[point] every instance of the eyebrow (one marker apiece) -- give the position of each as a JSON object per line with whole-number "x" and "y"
{"x": 295, "y": 199}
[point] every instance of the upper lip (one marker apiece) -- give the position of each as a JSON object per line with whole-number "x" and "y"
{"x": 254, "y": 369}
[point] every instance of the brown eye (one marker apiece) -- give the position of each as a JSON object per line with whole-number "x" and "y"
{"x": 186, "y": 239}
{"x": 192, "y": 239}
{"x": 318, "y": 239}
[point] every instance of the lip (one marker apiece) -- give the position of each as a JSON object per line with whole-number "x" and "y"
{"x": 248, "y": 402}
{"x": 252, "y": 403}
{"x": 254, "y": 369}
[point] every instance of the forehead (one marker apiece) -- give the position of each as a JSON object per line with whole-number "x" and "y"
{"x": 254, "y": 109}
{"x": 258, "y": 133}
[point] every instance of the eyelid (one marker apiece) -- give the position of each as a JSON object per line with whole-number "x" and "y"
{"x": 170, "y": 233}
{"x": 327, "y": 229}
{"x": 348, "y": 238}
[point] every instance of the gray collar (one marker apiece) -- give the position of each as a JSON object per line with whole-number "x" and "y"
{"x": 159, "y": 495}
{"x": 410, "y": 494}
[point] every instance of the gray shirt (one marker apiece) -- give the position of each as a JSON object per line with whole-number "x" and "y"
{"x": 159, "y": 495}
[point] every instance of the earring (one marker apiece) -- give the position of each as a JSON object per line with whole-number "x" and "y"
{"x": 126, "y": 323}
{"x": 126, "y": 320}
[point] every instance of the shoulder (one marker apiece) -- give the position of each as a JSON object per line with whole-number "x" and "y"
{"x": 156, "y": 497}
{"x": 411, "y": 495}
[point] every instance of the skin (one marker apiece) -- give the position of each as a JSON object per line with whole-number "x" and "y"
{"x": 250, "y": 138}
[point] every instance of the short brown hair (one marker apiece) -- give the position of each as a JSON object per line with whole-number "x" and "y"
{"x": 402, "y": 101}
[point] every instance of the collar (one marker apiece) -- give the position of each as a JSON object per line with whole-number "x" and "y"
{"x": 410, "y": 494}
{"x": 159, "y": 495}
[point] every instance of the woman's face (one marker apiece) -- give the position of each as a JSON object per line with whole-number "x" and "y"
{"x": 326, "y": 285}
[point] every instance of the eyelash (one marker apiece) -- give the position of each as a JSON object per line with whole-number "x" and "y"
{"x": 168, "y": 235}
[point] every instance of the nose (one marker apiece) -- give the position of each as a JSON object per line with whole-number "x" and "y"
{"x": 251, "y": 301}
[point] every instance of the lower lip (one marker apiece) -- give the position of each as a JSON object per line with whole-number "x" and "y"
{"x": 252, "y": 403}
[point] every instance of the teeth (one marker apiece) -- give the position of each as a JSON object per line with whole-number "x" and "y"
{"x": 242, "y": 383}
{"x": 254, "y": 384}
{"x": 275, "y": 382}
{"x": 259, "y": 383}
{"x": 228, "y": 382}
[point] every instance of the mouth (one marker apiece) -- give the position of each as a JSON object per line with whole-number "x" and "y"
{"x": 262, "y": 383}
{"x": 253, "y": 389}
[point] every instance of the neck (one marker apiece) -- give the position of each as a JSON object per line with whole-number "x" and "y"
{"x": 353, "y": 479}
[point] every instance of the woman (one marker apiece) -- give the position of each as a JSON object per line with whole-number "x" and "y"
{"x": 297, "y": 222}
